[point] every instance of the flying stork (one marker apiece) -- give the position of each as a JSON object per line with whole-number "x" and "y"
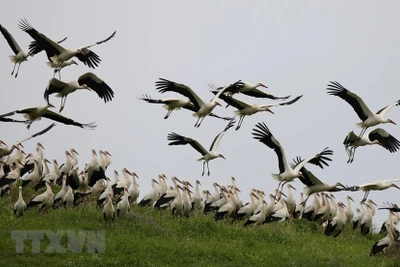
{"x": 251, "y": 90}
{"x": 202, "y": 108}
{"x": 58, "y": 54}
{"x": 245, "y": 109}
{"x": 20, "y": 54}
{"x": 377, "y": 185}
{"x": 178, "y": 139}
{"x": 286, "y": 172}
{"x": 88, "y": 81}
{"x": 36, "y": 113}
{"x": 171, "y": 104}
{"x": 378, "y": 136}
{"x": 368, "y": 118}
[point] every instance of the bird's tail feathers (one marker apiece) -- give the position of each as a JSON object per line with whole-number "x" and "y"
{"x": 275, "y": 176}
{"x": 236, "y": 112}
{"x": 13, "y": 58}
{"x": 360, "y": 125}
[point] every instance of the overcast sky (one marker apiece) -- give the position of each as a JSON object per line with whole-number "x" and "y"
{"x": 293, "y": 47}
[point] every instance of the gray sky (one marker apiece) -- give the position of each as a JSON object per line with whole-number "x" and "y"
{"x": 292, "y": 47}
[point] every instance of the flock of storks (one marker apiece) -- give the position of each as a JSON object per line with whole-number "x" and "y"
{"x": 76, "y": 185}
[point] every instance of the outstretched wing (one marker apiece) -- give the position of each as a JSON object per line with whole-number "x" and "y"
{"x": 178, "y": 139}
{"x": 217, "y": 139}
{"x": 60, "y": 118}
{"x": 98, "y": 85}
{"x": 54, "y": 86}
{"x": 10, "y": 40}
{"x": 385, "y": 139}
{"x": 263, "y": 134}
{"x": 354, "y": 100}
{"x": 308, "y": 179}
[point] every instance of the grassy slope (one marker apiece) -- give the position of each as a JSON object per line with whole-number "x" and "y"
{"x": 152, "y": 238}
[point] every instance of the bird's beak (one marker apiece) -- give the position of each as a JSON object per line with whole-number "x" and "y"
{"x": 108, "y": 153}
{"x": 351, "y": 198}
{"x": 396, "y": 186}
{"x": 262, "y": 85}
{"x": 75, "y": 152}
{"x": 218, "y": 104}
{"x": 393, "y": 122}
{"x": 128, "y": 172}
{"x": 270, "y": 111}
{"x": 74, "y": 62}
{"x": 39, "y": 144}
{"x": 222, "y": 156}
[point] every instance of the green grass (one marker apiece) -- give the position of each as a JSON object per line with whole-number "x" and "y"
{"x": 149, "y": 237}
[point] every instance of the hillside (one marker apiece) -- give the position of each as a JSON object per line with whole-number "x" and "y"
{"x": 150, "y": 237}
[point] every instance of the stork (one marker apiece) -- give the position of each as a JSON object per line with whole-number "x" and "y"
{"x": 36, "y": 113}
{"x": 385, "y": 243}
{"x": 45, "y": 200}
{"x": 378, "y": 136}
{"x": 20, "y": 205}
{"x": 88, "y": 81}
{"x": 20, "y": 54}
{"x": 287, "y": 173}
{"x": 367, "y": 117}
{"x": 178, "y": 139}
{"x": 245, "y": 109}
{"x": 171, "y": 104}
{"x": 109, "y": 211}
{"x": 203, "y": 108}
{"x": 123, "y": 206}
{"x": 377, "y": 185}
{"x": 58, "y": 54}
{"x": 251, "y": 90}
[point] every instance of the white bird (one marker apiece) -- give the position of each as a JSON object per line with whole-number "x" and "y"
{"x": 203, "y": 109}
{"x": 165, "y": 199}
{"x": 377, "y": 185}
{"x": 212, "y": 198}
{"x": 152, "y": 196}
{"x": 248, "y": 209}
{"x": 367, "y": 117}
{"x": 20, "y": 54}
{"x": 45, "y": 200}
{"x": 313, "y": 185}
{"x": 290, "y": 201}
{"x": 59, "y": 67}
{"x": 68, "y": 199}
{"x": 134, "y": 190}
{"x": 228, "y": 209}
{"x": 348, "y": 211}
{"x": 178, "y": 139}
{"x": 20, "y": 205}
{"x": 336, "y": 225}
{"x": 197, "y": 198}
{"x": 123, "y": 206}
{"x": 109, "y": 211}
{"x": 187, "y": 202}
{"x": 245, "y": 109}
{"x": 59, "y": 197}
{"x": 88, "y": 81}
{"x": 385, "y": 243}
{"x": 58, "y": 54}
{"x": 378, "y": 136}
{"x": 104, "y": 194}
{"x": 366, "y": 221}
{"x": 251, "y": 90}
{"x": 36, "y": 113}
{"x": 171, "y": 104}
{"x": 286, "y": 172}
{"x": 105, "y": 159}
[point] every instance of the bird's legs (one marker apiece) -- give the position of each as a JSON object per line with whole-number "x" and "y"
{"x": 13, "y": 69}
{"x": 63, "y": 103}
{"x": 29, "y": 123}
{"x": 16, "y": 74}
{"x": 200, "y": 121}
{"x": 204, "y": 165}
{"x": 168, "y": 113}
{"x": 208, "y": 168}
{"x": 241, "y": 118}
{"x": 365, "y": 196}
{"x": 351, "y": 153}
{"x": 197, "y": 121}
{"x": 362, "y": 132}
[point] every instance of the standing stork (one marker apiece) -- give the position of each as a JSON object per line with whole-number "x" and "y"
{"x": 36, "y": 113}
{"x": 287, "y": 173}
{"x": 88, "y": 81}
{"x": 245, "y": 109}
{"x": 203, "y": 108}
{"x": 58, "y": 54}
{"x": 206, "y": 155}
{"x": 378, "y": 136}
{"x": 20, "y": 54}
{"x": 20, "y": 205}
{"x": 367, "y": 117}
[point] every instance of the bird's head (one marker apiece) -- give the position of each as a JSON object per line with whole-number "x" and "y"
{"x": 265, "y": 108}
{"x": 261, "y": 85}
{"x": 198, "y": 182}
{"x": 84, "y": 86}
{"x": 48, "y": 161}
{"x": 222, "y": 156}
{"x": 341, "y": 185}
{"x": 370, "y": 201}
{"x": 134, "y": 174}
{"x": 74, "y": 151}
